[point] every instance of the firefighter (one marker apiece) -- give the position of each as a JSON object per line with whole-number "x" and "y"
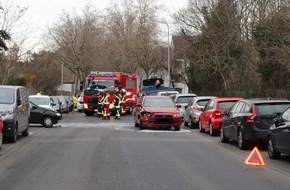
{"x": 106, "y": 103}
{"x": 100, "y": 104}
{"x": 116, "y": 102}
{"x": 123, "y": 102}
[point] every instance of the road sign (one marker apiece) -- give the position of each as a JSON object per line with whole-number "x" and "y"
{"x": 255, "y": 158}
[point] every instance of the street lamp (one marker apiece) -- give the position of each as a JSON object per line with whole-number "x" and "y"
{"x": 168, "y": 51}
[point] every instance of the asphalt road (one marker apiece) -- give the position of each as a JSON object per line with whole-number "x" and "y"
{"x": 88, "y": 153}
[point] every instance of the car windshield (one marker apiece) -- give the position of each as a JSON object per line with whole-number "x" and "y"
{"x": 226, "y": 105}
{"x": 101, "y": 84}
{"x": 40, "y": 100}
{"x": 159, "y": 102}
{"x": 6, "y": 96}
{"x": 271, "y": 108}
{"x": 184, "y": 99}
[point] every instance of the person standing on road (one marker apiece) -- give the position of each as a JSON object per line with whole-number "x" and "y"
{"x": 116, "y": 102}
{"x": 100, "y": 104}
{"x": 123, "y": 102}
{"x": 106, "y": 107}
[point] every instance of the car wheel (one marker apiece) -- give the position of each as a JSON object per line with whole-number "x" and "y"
{"x": 89, "y": 113}
{"x": 80, "y": 111}
{"x": 141, "y": 126}
{"x": 241, "y": 141}
{"x": 13, "y": 139}
{"x": 223, "y": 138}
{"x": 1, "y": 140}
{"x": 212, "y": 132}
{"x": 177, "y": 128}
{"x": 200, "y": 128}
{"x": 273, "y": 154}
{"x": 136, "y": 124}
{"x": 47, "y": 122}
{"x": 26, "y": 132}
{"x": 185, "y": 123}
{"x": 192, "y": 124}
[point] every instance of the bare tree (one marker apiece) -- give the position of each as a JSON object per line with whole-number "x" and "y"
{"x": 78, "y": 39}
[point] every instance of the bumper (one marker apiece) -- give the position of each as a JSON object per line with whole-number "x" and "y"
{"x": 253, "y": 134}
{"x": 151, "y": 122}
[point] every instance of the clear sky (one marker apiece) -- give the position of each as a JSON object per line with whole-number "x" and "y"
{"x": 42, "y": 13}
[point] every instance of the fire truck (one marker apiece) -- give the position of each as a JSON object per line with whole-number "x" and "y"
{"x": 96, "y": 82}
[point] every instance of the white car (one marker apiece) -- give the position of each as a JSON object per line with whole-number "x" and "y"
{"x": 43, "y": 101}
{"x": 80, "y": 103}
{"x": 183, "y": 99}
{"x": 167, "y": 93}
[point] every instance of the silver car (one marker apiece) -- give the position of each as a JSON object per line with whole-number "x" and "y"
{"x": 193, "y": 110}
{"x": 183, "y": 99}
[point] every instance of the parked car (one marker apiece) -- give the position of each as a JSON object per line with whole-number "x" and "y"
{"x": 167, "y": 93}
{"x": 44, "y": 101}
{"x": 157, "y": 112}
{"x": 80, "y": 103}
{"x": 58, "y": 104}
{"x": 209, "y": 119}
{"x": 1, "y": 135}
{"x": 278, "y": 139}
{"x": 44, "y": 116}
{"x": 64, "y": 103}
{"x": 70, "y": 103}
{"x": 249, "y": 120}
{"x": 183, "y": 100}
{"x": 14, "y": 109}
{"x": 193, "y": 110}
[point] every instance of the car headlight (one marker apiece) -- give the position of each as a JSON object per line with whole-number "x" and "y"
{"x": 58, "y": 114}
{"x": 7, "y": 112}
{"x": 176, "y": 115}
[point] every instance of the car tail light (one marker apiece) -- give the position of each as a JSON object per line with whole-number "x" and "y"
{"x": 217, "y": 114}
{"x": 250, "y": 119}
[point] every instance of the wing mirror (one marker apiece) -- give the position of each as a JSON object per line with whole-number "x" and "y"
{"x": 185, "y": 107}
{"x": 178, "y": 105}
{"x": 278, "y": 121}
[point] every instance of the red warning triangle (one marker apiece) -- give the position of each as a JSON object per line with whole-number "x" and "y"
{"x": 255, "y": 158}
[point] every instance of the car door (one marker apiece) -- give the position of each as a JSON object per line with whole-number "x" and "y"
{"x": 188, "y": 111}
{"x": 207, "y": 114}
{"x": 228, "y": 120}
{"x": 282, "y": 134}
{"x": 235, "y": 120}
{"x": 35, "y": 113}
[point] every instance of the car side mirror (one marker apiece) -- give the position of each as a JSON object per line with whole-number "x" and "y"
{"x": 185, "y": 107}
{"x": 200, "y": 109}
{"x": 278, "y": 121}
{"x": 178, "y": 105}
{"x": 34, "y": 107}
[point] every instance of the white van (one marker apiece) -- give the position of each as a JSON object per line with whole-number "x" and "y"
{"x": 14, "y": 109}
{"x": 43, "y": 101}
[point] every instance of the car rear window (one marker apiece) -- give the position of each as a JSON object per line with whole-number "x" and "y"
{"x": 225, "y": 104}
{"x": 202, "y": 102}
{"x": 159, "y": 102}
{"x": 184, "y": 99}
{"x": 271, "y": 108}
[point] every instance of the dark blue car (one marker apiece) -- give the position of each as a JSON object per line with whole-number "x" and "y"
{"x": 279, "y": 136}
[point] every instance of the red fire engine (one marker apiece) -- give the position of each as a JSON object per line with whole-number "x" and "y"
{"x": 96, "y": 82}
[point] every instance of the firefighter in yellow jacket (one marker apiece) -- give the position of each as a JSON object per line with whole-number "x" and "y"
{"x": 117, "y": 106}
{"x": 106, "y": 107}
{"x": 123, "y": 101}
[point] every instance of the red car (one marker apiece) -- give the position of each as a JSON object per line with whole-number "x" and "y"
{"x": 209, "y": 119}
{"x": 157, "y": 112}
{"x": 1, "y": 136}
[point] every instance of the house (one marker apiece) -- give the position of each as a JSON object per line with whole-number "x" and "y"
{"x": 180, "y": 50}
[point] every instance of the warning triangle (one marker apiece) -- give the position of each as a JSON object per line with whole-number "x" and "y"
{"x": 255, "y": 158}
